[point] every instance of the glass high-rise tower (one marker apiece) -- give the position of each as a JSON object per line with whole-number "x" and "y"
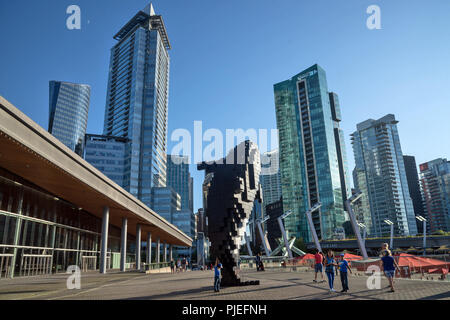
{"x": 309, "y": 155}
{"x": 379, "y": 160}
{"x": 435, "y": 181}
{"x": 137, "y": 100}
{"x": 180, "y": 180}
{"x": 68, "y": 113}
{"x": 270, "y": 178}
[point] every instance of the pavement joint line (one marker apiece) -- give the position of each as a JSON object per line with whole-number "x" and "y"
{"x": 93, "y": 289}
{"x": 58, "y": 278}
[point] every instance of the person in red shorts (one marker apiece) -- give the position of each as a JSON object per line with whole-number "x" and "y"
{"x": 318, "y": 257}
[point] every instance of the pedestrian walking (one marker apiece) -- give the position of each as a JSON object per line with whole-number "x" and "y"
{"x": 344, "y": 267}
{"x": 384, "y": 247}
{"x": 318, "y": 267}
{"x": 389, "y": 266}
{"x": 330, "y": 264}
{"x": 183, "y": 264}
{"x": 217, "y": 274}
{"x": 172, "y": 266}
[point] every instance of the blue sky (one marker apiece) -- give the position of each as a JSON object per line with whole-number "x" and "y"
{"x": 227, "y": 55}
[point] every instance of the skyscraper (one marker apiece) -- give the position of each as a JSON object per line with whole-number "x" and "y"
{"x": 107, "y": 154}
{"x": 270, "y": 178}
{"x": 137, "y": 100}
{"x": 68, "y": 113}
{"x": 379, "y": 158}
{"x": 435, "y": 181}
{"x": 361, "y": 208}
{"x": 165, "y": 202}
{"x": 179, "y": 178}
{"x": 414, "y": 188}
{"x": 309, "y": 160}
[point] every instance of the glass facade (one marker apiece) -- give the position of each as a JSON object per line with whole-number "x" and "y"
{"x": 166, "y": 202}
{"x": 179, "y": 179}
{"x": 41, "y": 234}
{"x": 435, "y": 182}
{"x": 340, "y": 147}
{"x": 361, "y": 208}
{"x": 137, "y": 101}
{"x": 414, "y": 189}
{"x": 309, "y": 161}
{"x": 185, "y": 221}
{"x": 68, "y": 113}
{"x": 378, "y": 154}
{"x": 270, "y": 178}
{"x": 107, "y": 154}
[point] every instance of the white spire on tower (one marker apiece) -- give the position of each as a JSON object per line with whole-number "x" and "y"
{"x": 149, "y": 9}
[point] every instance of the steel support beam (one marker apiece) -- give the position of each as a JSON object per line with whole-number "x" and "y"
{"x": 355, "y": 226}
{"x": 286, "y": 242}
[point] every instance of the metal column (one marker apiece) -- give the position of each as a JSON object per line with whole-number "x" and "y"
{"x": 313, "y": 230}
{"x": 286, "y": 242}
{"x": 104, "y": 246}
{"x": 138, "y": 246}
{"x": 391, "y": 245}
{"x": 170, "y": 253}
{"x": 355, "y": 226}
{"x": 364, "y": 236}
{"x": 263, "y": 238}
{"x": 424, "y": 236}
{"x": 123, "y": 245}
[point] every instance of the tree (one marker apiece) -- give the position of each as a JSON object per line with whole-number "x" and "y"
{"x": 300, "y": 244}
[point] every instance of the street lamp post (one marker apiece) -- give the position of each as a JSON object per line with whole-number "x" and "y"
{"x": 283, "y": 232}
{"x": 348, "y": 203}
{"x": 420, "y": 218}
{"x": 389, "y": 222}
{"x": 311, "y": 224}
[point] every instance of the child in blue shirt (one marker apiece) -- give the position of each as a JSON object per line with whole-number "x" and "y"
{"x": 344, "y": 266}
{"x": 217, "y": 268}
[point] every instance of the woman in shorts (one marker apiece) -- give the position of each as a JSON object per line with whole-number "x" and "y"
{"x": 389, "y": 266}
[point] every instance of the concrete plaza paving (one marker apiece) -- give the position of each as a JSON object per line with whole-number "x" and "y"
{"x": 197, "y": 285}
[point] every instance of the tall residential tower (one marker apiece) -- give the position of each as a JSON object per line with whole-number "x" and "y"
{"x": 137, "y": 100}
{"x": 379, "y": 162}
